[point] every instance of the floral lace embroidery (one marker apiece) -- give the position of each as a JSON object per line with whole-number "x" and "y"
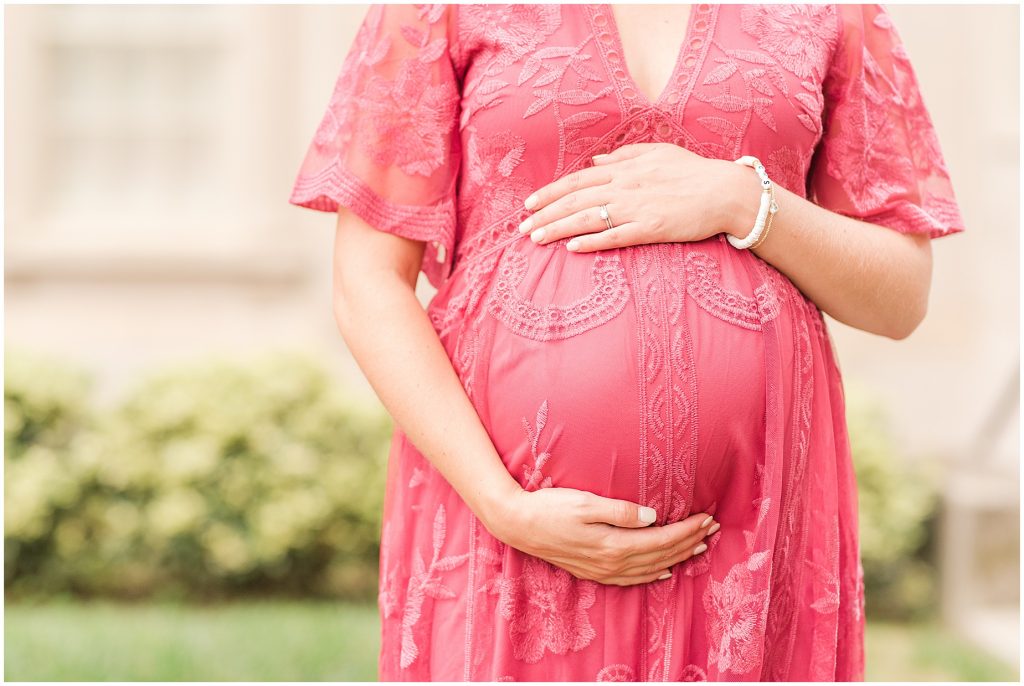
{"x": 801, "y": 37}
{"x": 386, "y": 146}
{"x": 828, "y": 602}
{"x": 704, "y": 285}
{"x": 787, "y": 166}
{"x": 737, "y": 606}
{"x": 463, "y": 318}
{"x": 693, "y": 673}
{"x": 547, "y": 606}
{"x": 735, "y": 616}
{"x": 424, "y": 582}
{"x": 881, "y": 159}
{"x": 494, "y": 581}
{"x": 858, "y": 604}
{"x": 605, "y": 301}
{"x": 486, "y": 554}
{"x": 490, "y": 175}
{"x": 417, "y": 478}
{"x": 415, "y": 116}
{"x": 866, "y": 158}
{"x": 517, "y": 30}
{"x": 748, "y": 83}
{"x": 826, "y": 584}
{"x": 547, "y": 610}
{"x": 616, "y": 672}
{"x": 667, "y": 387}
{"x": 532, "y": 475}
{"x": 624, "y": 673}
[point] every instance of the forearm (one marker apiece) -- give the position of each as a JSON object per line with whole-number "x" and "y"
{"x": 396, "y": 347}
{"x": 867, "y": 276}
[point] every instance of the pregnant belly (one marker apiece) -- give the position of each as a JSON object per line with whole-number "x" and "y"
{"x": 637, "y": 373}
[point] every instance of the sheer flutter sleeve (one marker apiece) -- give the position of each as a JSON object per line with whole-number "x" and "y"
{"x": 879, "y": 158}
{"x": 387, "y": 147}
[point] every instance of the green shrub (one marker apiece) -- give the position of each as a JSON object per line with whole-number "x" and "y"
{"x": 45, "y": 413}
{"x": 225, "y": 478}
{"x": 898, "y": 505}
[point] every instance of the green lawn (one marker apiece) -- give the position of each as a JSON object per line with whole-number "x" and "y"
{"x": 324, "y": 641}
{"x": 928, "y": 652}
{"x": 250, "y": 641}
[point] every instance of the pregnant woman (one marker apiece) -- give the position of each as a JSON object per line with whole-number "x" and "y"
{"x": 621, "y": 451}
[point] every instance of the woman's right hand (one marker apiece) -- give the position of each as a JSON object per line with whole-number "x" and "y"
{"x": 598, "y": 538}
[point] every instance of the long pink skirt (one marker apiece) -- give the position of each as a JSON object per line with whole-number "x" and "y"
{"x": 689, "y": 377}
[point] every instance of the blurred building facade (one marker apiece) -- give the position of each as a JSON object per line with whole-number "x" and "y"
{"x": 150, "y": 154}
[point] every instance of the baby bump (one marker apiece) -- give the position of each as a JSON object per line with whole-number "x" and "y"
{"x": 635, "y": 373}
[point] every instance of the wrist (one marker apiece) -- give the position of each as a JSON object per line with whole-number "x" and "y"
{"x": 498, "y": 510}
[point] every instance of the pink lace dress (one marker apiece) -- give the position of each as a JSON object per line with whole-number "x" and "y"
{"x": 685, "y": 376}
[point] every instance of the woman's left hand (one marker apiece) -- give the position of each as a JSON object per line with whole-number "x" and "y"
{"x": 655, "y": 193}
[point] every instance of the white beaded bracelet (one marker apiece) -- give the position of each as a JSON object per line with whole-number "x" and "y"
{"x": 767, "y": 205}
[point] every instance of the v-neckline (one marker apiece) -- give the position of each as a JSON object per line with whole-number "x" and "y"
{"x": 697, "y": 11}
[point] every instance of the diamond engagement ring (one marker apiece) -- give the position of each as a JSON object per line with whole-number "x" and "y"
{"x": 605, "y": 217}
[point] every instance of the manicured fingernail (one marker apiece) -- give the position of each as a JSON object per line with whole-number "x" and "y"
{"x": 715, "y": 528}
{"x": 707, "y": 521}
{"x": 531, "y": 201}
{"x": 526, "y": 225}
{"x": 572, "y": 245}
{"x": 700, "y": 549}
{"x": 595, "y": 157}
{"x": 664, "y": 576}
{"x": 647, "y": 514}
{"x": 537, "y": 235}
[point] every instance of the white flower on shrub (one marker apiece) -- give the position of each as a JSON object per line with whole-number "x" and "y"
{"x": 226, "y": 549}
{"x": 175, "y": 512}
{"x": 34, "y": 486}
{"x": 122, "y": 521}
{"x": 188, "y": 459}
{"x": 295, "y": 460}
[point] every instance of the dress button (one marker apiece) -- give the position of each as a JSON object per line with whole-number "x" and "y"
{"x": 629, "y": 92}
{"x": 689, "y": 61}
{"x": 664, "y": 130}
{"x": 619, "y": 74}
{"x": 613, "y": 56}
{"x": 703, "y": 7}
{"x": 605, "y": 37}
{"x": 673, "y": 97}
{"x": 600, "y": 20}
{"x": 700, "y": 25}
{"x": 696, "y": 42}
